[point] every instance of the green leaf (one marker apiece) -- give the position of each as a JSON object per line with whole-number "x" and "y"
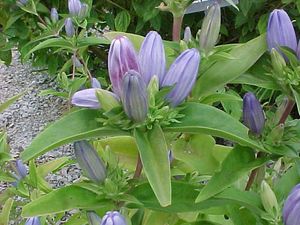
{"x": 63, "y": 199}
{"x": 122, "y": 21}
{"x": 74, "y": 126}
{"x": 154, "y": 155}
{"x": 88, "y": 41}
{"x": 297, "y": 99}
{"x": 220, "y": 97}
{"x": 6, "y": 208}
{"x": 238, "y": 163}
{"x": 222, "y": 72}
{"x": 10, "y": 101}
{"x": 51, "y": 166}
{"x": 198, "y": 119}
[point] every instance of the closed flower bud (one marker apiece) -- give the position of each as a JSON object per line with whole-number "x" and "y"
{"x": 187, "y": 35}
{"x": 76, "y": 61}
{"x": 22, "y": 2}
{"x": 291, "y": 208}
{"x": 89, "y": 161}
{"x": 152, "y": 59}
{"x": 268, "y": 198}
{"x": 278, "y": 62}
{"x": 54, "y": 15}
{"x": 83, "y": 11}
{"x": 121, "y": 58}
{"x": 113, "y": 218}
{"x": 298, "y": 50}
{"x": 253, "y": 114}
{"x": 74, "y": 7}
{"x": 33, "y": 221}
{"x": 69, "y": 27}
{"x": 134, "y": 98}
{"x": 93, "y": 218}
{"x": 280, "y": 31}
{"x": 210, "y": 28}
{"x": 21, "y": 169}
{"x": 95, "y": 83}
{"x": 182, "y": 75}
{"x": 107, "y": 99}
{"x": 152, "y": 89}
{"x": 86, "y": 98}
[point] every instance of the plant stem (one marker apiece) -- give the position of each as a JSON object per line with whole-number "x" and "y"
{"x": 177, "y": 23}
{"x": 138, "y": 169}
{"x": 253, "y": 173}
{"x": 41, "y": 19}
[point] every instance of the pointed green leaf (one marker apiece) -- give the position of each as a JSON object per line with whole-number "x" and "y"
{"x": 10, "y": 101}
{"x": 154, "y": 155}
{"x": 4, "y": 215}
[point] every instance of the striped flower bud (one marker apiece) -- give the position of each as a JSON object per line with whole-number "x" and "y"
{"x": 134, "y": 98}
{"x": 187, "y": 35}
{"x": 291, "y": 208}
{"x": 298, "y": 50}
{"x": 113, "y": 218}
{"x": 121, "y": 58}
{"x": 76, "y": 61}
{"x": 69, "y": 27}
{"x": 152, "y": 59}
{"x": 210, "y": 28}
{"x": 95, "y": 83}
{"x": 268, "y": 198}
{"x": 54, "y": 15}
{"x": 86, "y": 98}
{"x": 253, "y": 114}
{"x": 182, "y": 75}
{"x": 83, "y": 11}
{"x": 74, "y": 7}
{"x": 93, "y": 218}
{"x": 21, "y": 169}
{"x": 89, "y": 161}
{"x": 33, "y": 221}
{"x": 280, "y": 31}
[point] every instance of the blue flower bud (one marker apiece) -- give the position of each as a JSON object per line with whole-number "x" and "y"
{"x": 182, "y": 75}
{"x": 21, "y": 169}
{"x": 280, "y": 31}
{"x": 76, "y": 61}
{"x": 33, "y": 221}
{"x": 113, "y": 218}
{"x": 291, "y": 208}
{"x": 121, "y": 58}
{"x": 83, "y": 11}
{"x": 89, "y": 161}
{"x": 210, "y": 28}
{"x": 54, "y": 15}
{"x": 93, "y": 218}
{"x": 86, "y": 98}
{"x": 69, "y": 27}
{"x": 152, "y": 59}
{"x": 298, "y": 50}
{"x": 134, "y": 97}
{"x": 95, "y": 83}
{"x": 74, "y": 7}
{"x": 22, "y": 2}
{"x": 253, "y": 114}
{"x": 187, "y": 35}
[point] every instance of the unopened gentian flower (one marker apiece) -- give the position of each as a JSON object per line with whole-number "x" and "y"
{"x": 69, "y": 27}
{"x": 134, "y": 98}
{"x": 83, "y": 11}
{"x": 298, "y": 50}
{"x": 291, "y": 208}
{"x": 280, "y": 31}
{"x": 211, "y": 27}
{"x": 182, "y": 75}
{"x": 253, "y": 114}
{"x": 95, "y": 83}
{"x": 113, "y": 218}
{"x": 86, "y": 98}
{"x": 54, "y": 15}
{"x": 89, "y": 161}
{"x": 74, "y": 7}
{"x": 121, "y": 58}
{"x": 152, "y": 58}
{"x": 22, "y": 2}
{"x": 76, "y": 61}
{"x": 21, "y": 169}
{"x": 33, "y": 221}
{"x": 187, "y": 35}
{"x": 93, "y": 218}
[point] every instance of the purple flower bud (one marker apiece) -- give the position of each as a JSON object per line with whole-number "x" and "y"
{"x": 291, "y": 215}
{"x": 33, "y": 221}
{"x": 83, "y": 11}
{"x": 182, "y": 75}
{"x": 152, "y": 59}
{"x": 113, "y": 218}
{"x": 69, "y": 27}
{"x": 298, "y": 50}
{"x": 21, "y": 169}
{"x": 170, "y": 156}
{"x": 74, "y": 7}
{"x": 95, "y": 83}
{"x": 22, "y": 2}
{"x": 76, "y": 61}
{"x": 134, "y": 98}
{"x": 93, "y": 218}
{"x": 86, "y": 98}
{"x": 89, "y": 161}
{"x": 210, "y": 27}
{"x": 280, "y": 31}
{"x": 121, "y": 58}
{"x": 54, "y": 15}
{"x": 253, "y": 114}
{"x": 187, "y": 35}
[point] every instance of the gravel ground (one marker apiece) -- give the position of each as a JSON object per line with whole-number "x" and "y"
{"x": 30, "y": 114}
